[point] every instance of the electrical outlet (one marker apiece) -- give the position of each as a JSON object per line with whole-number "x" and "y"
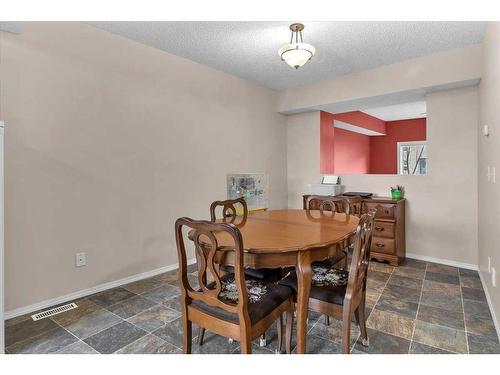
{"x": 493, "y": 178}
{"x": 488, "y": 173}
{"x": 493, "y": 277}
{"x": 80, "y": 259}
{"x": 486, "y": 130}
{"x": 489, "y": 264}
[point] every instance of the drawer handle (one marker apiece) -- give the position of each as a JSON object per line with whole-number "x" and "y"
{"x": 379, "y": 245}
{"x": 380, "y": 229}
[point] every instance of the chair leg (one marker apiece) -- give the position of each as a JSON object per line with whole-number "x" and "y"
{"x": 245, "y": 346}
{"x": 361, "y": 318}
{"x": 186, "y": 337}
{"x": 279, "y": 328}
{"x": 346, "y": 330}
{"x": 327, "y": 320}
{"x": 201, "y": 335}
{"x": 346, "y": 252}
{"x": 289, "y": 326}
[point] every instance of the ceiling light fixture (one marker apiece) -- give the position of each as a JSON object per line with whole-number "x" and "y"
{"x": 296, "y": 53}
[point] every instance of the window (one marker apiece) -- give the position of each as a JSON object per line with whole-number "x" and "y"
{"x": 412, "y": 158}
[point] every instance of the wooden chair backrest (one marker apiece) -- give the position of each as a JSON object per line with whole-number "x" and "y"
{"x": 361, "y": 256}
{"x": 203, "y": 235}
{"x": 355, "y": 203}
{"x": 326, "y": 203}
{"x": 229, "y": 211}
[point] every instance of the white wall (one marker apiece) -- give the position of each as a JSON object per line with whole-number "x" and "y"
{"x": 109, "y": 141}
{"x": 441, "y": 211}
{"x": 489, "y": 155}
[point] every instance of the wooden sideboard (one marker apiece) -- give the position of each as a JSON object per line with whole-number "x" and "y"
{"x": 388, "y": 241}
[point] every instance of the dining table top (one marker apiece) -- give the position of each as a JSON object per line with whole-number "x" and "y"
{"x": 279, "y": 231}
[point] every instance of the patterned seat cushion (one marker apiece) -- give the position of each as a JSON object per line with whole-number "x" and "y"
{"x": 329, "y": 284}
{"x": 263, "y": 296}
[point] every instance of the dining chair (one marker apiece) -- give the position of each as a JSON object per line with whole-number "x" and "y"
{"x": 235, "y": 211}
{"x": 328, "y": 203}
{"x": 334, "y": 204}
{"x": 229, "y": 211}
{"x": 355, "y": 202}
{"x": 336, "y": 292}
{"x": 233, "y": 305}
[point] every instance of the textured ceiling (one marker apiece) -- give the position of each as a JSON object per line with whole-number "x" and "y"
{"x": 250, "y": 49}
{"x": 399, "y": 111}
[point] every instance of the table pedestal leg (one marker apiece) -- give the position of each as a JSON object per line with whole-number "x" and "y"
{"x": 303, "y": 271}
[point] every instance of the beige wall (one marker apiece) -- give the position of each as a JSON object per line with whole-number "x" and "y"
{"x": 489, "y": 155}
{"x": 302, "y": 155}
{"x": 433, "y": 227}
{"x": 107, "y": 143}
{"x": 447, "y": 68}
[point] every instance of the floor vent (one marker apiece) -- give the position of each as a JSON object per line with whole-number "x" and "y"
{"x": 54, "y": 311}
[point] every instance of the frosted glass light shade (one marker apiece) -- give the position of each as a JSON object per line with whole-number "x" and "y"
{"x": 296, "y": 54}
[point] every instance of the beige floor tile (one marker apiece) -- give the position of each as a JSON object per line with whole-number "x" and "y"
{"x": 391, "y": 323}
{"x": 440, "y": 337}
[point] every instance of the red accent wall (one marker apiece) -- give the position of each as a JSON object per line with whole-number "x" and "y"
{"x": 383, "y": 149}
{"x": 346, "y": 152}
{"x": 332, "y": 160}
{"x": 326, "y": 139}
{"x": 351, "y": 152}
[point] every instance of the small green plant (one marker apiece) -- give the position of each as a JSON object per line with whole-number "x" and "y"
{"x": 397, "y": 192}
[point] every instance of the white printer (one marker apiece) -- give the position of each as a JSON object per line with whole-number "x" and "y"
{"x": 329, "y": 185}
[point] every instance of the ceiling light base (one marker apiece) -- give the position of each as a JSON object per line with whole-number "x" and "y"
{"x": 296, "y": 27}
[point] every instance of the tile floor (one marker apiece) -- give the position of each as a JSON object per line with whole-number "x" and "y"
{"x": 419, "y": 307}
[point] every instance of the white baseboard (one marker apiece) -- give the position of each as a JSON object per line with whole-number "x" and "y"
{"x": 447, "y": 262}
{"x": 86, "y": 292}
{"x": 490, "y": 304}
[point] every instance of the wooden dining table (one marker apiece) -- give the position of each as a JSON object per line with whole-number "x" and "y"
{"x": 292, "y": 238}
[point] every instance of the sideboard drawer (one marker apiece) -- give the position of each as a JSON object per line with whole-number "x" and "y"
{"x": 383, "y": 245}
{"x": 384, "y": 211}
{"x": 384, "y": 229}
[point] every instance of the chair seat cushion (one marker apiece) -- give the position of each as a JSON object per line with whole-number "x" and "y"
{"x": 263, "y": 298}
{"x": 268, "y": 274}
{"x": 331, "y": 262}
{"x": 329, "y": 284}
